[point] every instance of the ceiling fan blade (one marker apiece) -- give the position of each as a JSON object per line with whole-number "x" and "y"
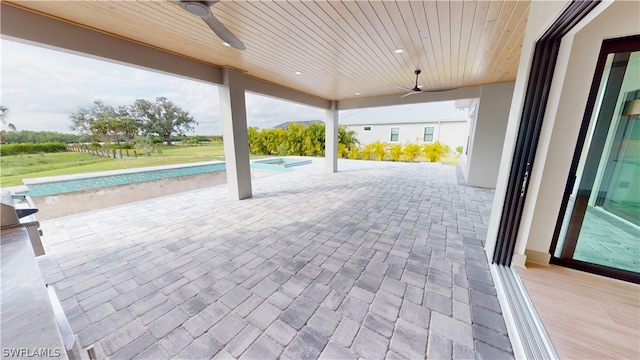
{"x": 441, "y": 90}
{"x": 402, "y": 87}
{"x": 223, "y": 33}
{"x": 407, "y": 94}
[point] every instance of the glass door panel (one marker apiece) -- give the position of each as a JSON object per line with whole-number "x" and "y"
{"x": 601, "y": 225}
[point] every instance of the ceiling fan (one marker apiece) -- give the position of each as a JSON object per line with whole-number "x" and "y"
{"x": 203, "y": 10}
{"x": 417, "y": 88}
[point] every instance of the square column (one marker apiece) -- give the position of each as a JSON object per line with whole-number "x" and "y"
{"x": 234, "y": 132}
{"x": 331, "y": 139}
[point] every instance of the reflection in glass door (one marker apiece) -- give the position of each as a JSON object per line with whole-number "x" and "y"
{"x": 600, "y": 229}
{"x": 622, "y": 197}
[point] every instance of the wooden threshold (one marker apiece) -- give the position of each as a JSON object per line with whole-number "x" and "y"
{"x": 586, "y": 316}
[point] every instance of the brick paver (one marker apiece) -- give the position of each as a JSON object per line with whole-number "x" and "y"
{"x": 378, "y": 260}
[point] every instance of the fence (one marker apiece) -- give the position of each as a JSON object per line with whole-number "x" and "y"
{"x": 113, "y": 153}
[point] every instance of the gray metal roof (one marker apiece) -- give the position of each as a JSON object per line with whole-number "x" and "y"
{"x": 285, "y": 125}
{"x": 404, "y": 114}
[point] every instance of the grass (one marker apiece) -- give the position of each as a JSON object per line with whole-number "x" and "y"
{"x": 15, "y": 168}
{"x": 450, "y": 159}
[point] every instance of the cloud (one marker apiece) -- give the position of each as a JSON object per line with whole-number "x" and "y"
{"x": 42, "y": 87}
{"x": 266, "y": 112}
{"x": 41, "y": 121}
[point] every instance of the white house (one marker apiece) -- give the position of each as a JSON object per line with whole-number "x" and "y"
{"x": 417, "y": 123}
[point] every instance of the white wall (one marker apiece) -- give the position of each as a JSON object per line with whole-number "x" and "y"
{"x": 563, "y": 115}
{"x": 481, "y": 164}
{"x": 452, "y": 133}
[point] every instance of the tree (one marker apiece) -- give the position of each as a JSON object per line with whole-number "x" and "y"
{"x": 3, "y": 117}
{"x": 256, "y": 145}
{"x": 162, "y": 118}
{"x": 4, "y": 113}
{"x": 313, "y": 142}
{"x": 347, "y": 137}
{"x": 295, "y": 137}
{"x": 298, "y": 139}
{"x": 104, "y": 122}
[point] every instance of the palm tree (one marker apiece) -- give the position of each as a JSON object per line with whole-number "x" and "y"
{"x": 347, "y": 137}
{"x": 3, "y": 116}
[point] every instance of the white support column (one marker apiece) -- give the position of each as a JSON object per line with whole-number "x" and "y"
{"x": 234, "y": 130}
{"x": 331, "y": 139}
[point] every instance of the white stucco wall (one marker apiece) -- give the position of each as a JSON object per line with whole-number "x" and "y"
{"x": 541, "y": 15}
{"x": 452, "y": 133}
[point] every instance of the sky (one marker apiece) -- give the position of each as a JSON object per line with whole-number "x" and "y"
{"x": 42, "y": 87}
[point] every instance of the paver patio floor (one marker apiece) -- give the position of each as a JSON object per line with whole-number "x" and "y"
{"x": 380, "y": 260}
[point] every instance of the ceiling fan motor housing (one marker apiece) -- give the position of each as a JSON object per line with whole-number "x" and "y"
{"x": 417, "y": 88}
{"x": 197, "y": 8}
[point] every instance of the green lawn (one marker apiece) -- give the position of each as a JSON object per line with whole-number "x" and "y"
{"x": 15, "y": 168}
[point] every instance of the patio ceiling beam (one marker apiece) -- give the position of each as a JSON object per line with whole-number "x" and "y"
{"x": 389, "y": 100}
{"x": 261, "y": 87}
{"x": 25, "y": 26}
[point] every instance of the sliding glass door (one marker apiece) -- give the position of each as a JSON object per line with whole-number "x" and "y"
{"x": 599, "y": 229}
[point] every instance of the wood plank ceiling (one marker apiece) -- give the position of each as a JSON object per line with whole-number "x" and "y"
{"x": 340, "y": 47}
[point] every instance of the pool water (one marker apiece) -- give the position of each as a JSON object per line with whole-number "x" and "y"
{"x": 95, "y": 182}
{"x": 46, "y": 187}
{"x": 278, "y": 164}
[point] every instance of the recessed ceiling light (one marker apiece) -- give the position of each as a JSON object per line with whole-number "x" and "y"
{"x": 357, "y": 93}
{"x": 226, "y": 44}
{"x": 398, "y": 51}
{"x": 298, "y": 72}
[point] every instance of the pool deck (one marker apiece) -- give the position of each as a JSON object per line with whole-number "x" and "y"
{"x": 380, "y": 260}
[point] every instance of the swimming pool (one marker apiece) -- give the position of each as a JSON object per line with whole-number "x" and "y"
{"x": 279, "y": 164}
{"x": 66, "y": 184}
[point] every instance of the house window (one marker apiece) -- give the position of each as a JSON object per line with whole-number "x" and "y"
{"x": 395, "y": 132}
{"x": 367, "y": 128}
{"x": 428, "y": 134}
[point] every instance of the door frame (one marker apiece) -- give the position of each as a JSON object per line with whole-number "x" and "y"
{"x": 618, "y": 45}
{"x": 535, "y": 102}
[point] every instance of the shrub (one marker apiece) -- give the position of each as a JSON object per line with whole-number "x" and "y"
{"x": 122, "y": 146}
{"x": 367, "y": 152}
{"x": 354, "y": 153}
{"x": 395, "y": 151}
{"x": 378, "y": 150}
{"x": 298, "y": 139}
{"x": 459, "y": 149}
{"x": 411, "y": 151}
{"x": 30, "y": 148}
{"x": 143, "y": 143}
{"x": 342, "y": 150}
{"x": 434, "y": 151}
